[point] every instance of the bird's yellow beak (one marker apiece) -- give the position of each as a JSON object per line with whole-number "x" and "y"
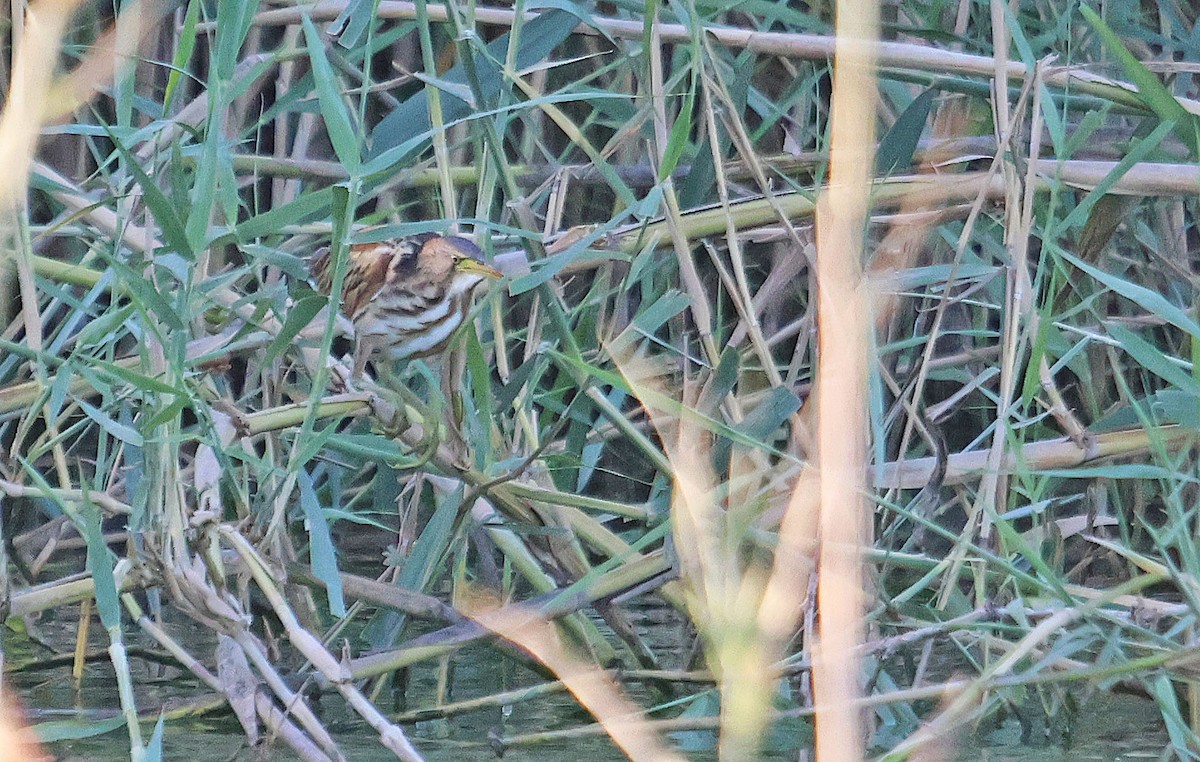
{"x": 475, "y": 267}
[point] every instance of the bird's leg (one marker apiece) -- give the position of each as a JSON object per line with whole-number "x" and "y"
{"x": 387, "y": 377}
{"x": 451, "y": 378}
{"x": 390, "y": 386}
{"x": 424, "y": 410}
{"x": 432, "y": 403}
{"x": 453, "y": 370}
{"x": 340, "y": 378}
{"x": 411, "y": 409}
{"x": 364, "y": 347}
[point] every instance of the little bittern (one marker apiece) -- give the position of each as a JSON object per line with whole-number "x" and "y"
{"x": 407, "y": 296}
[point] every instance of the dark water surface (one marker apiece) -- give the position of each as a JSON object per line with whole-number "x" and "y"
{"x": 1105, "y": 726}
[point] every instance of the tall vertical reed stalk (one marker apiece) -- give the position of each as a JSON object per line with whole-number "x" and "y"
{"x": 844, "y": 327}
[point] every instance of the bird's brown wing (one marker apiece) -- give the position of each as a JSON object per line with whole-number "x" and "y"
{"x": 366, "y": 273}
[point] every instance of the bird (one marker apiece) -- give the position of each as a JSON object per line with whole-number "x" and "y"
{"x": 406, "y": 297}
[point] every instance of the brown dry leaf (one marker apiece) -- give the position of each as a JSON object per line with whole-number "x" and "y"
{"x": 569, "y": 238}
{"x": 1106, "y": 216}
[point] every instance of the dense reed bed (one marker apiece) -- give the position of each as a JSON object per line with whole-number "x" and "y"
{"x": 831, "y": 410}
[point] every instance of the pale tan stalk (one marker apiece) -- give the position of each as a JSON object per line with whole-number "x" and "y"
{"x": 843, "y": 322}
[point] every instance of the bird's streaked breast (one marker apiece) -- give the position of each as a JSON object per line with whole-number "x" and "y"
{"x": 420, "y": 333}
{"x": 409, "y": 313}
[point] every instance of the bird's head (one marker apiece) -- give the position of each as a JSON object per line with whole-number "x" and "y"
{"x": 456, "y": 260}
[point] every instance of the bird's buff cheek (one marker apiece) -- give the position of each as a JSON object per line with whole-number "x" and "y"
{"x": 464, "y": 283}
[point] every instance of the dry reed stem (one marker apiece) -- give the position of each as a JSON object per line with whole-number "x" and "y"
{"x": 1042, "y": 455}
{"x": 592, "y": 687}
{"x": 1018, "y": 311}
{"x": 693, "y": 285}
{"x": 725, "y": 595}
{"x": 843, "y": 323}
{"x": 804, "y": 46}
{"x": 552, "y": 605}
{"x": 33, "y": 75}
{"x": 391, "y": 736}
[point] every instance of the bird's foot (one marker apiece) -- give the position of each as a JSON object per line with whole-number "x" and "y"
{"x": 388, "y": 420}
{"x": 342, "y": 380}
{"x": 395, "y": 420}
{"x": 390, "y": 413}
{"x": 458, "y": 450}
